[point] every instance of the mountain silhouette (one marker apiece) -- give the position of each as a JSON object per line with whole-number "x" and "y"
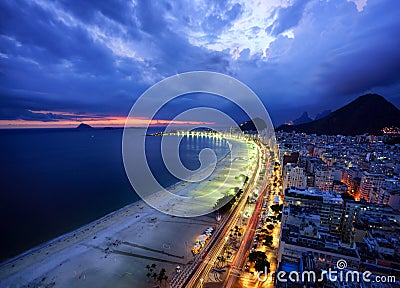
{"x": 84, "y": 126}
{"x": 304, "y": 118}
{"x": 252, "y": 125}
{"x": 366, "y": 114}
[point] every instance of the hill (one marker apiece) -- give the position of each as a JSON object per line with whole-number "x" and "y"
{"x": 84, "y": 126}
{"x": 250, "y": 126}
{"x": 366, "y": 114}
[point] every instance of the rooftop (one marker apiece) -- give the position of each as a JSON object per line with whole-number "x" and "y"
{"x": 312, "y": 193}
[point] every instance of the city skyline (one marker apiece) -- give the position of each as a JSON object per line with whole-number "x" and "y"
{"x": 238, "y": 143}
{"x": 65, "y": 63}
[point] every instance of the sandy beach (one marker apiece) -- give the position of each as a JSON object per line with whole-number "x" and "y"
{"x": 114, "y": 250}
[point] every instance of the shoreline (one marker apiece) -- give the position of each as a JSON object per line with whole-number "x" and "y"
{"x": 96, "y": 221}
{"x": 136, "y": 224}
{"x": 65, "y": 235}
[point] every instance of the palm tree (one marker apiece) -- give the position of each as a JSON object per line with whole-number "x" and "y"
{"x": 162, "y": 276}
{"x": 227, "y": 246}
{"x": 158, "y": 277}
{"x": 218, "y": 261}
{"x": 223, "y": 260}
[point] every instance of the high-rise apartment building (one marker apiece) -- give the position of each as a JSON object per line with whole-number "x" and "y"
{"x": 294, "y": 176}
{"x": 323, "y": 177}
{"x": 370, "y": 181}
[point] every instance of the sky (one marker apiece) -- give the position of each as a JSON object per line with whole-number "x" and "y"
{"x": 66, "y": 62}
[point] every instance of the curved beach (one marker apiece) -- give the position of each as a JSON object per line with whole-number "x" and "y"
{"x": 114, "y": 250}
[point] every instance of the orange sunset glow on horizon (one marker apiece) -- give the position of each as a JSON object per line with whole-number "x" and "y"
{"x": 92, "y": 120}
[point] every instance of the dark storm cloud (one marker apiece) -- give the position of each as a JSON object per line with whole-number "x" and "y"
{"x": 288, "y": 18}
{"x": 64, "y": 62}
{"x": 27, "y": 115}
{"x": 37, "y": 35}
{"x": 61, "y": 66}
{"x": 195, "y": 100}
{"x": 364, "y": 69}
{"x": 96, "y": 58}
{"x": 150, "y": 17}
{"x": 336, "y": 55}
{"x": 118, "y": 11}
{"x": 14, "y": 105}
{"x": 371, "y": 59}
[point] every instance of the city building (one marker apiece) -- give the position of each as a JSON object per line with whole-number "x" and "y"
{"x": 319, "y": 227}
{"x": 352, "y": 177}
{"x": 370, "y": 181}
{"x": 339, "y": 187}
{"x": 311, "y": 223}
{"x": 323, "y": 177}
{"x": 294, "y": 176}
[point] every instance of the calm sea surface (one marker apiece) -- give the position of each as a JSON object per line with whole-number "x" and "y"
{"x": 56, "y": 180}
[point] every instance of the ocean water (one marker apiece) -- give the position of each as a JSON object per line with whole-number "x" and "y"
{"x": 53, "y": 181}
